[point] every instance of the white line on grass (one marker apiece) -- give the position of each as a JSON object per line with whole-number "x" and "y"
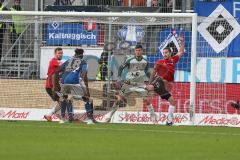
{"x": 93, "y": 127}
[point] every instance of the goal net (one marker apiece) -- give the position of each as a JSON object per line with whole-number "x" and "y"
{"x": 29, "y": 40}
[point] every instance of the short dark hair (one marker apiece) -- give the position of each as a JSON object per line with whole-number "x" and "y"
{"x": 138, "y": 46}
{"x": 78, "y": 51}
{"x": 169, "y": 49}
{"x": 57, "y": 49}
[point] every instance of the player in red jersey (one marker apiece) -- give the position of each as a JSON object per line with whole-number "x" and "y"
{"x": 163, "y": 73}
{"x": 53, "y": 65}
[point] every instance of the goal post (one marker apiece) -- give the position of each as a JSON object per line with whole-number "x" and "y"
{"x": 122, "y": 30}
{"x": 193, "y": 69}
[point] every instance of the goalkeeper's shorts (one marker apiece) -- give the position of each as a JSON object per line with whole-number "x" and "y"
{"x": 160, "y": 89}
{"x": 127, "y": 89}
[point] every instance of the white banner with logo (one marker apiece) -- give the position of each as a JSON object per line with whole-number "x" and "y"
{"x": 32, "y": 114}
{"x": 47, "y": 53}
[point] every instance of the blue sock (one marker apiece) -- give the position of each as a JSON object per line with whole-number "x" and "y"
{"x": 63, "y": 108}
{"x": 70, "y": 111}
{"x": 70, "y": 107}
{"x": 89, "y": 109}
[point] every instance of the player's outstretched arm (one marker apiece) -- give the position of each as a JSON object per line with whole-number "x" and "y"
{"x": 181, "y": 50}
{"x": 152, "y": 76}
{"x": 121, "y": 68}
{"x": 55, "y": 81}
{"x": 85, "y": 79}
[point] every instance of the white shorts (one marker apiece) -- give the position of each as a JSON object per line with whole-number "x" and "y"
{"x": 74, "y": 89}
{"x": 127, "y": 89}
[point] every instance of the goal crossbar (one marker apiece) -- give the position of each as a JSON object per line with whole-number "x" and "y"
{"x": 97, "y": 14}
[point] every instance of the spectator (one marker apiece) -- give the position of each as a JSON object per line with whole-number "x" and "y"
{"x": 102, "y": 71}
{"x": 17, "y": 26}
{"x": 2, "y": 28}
{"x": 155, "y": 3}
{"x": 135, "y": 3}
{"x": 105, "y": 2}
{"x": 63, "y": 2}
{"x": 166, "y": 5}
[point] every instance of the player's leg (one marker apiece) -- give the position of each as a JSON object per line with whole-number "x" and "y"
{"x": 66, "y": 103}
{"x": 160, "y": 89}
{"x": 78, "y": 92}
{"x": 236, "y": 105}
{"x": 70, "y": 110}
{"x": 120, "y": 96}
{"x": 115, "y": 107}
{"x": 171, "y": 110}
{"x": 89, "y": 110}
{"x": 144, "y": 93}
{"x": 153, "y": 115}
{"x": 56, "y": 106}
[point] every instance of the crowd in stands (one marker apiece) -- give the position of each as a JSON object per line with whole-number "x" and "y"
{"x": 133, "y": 3}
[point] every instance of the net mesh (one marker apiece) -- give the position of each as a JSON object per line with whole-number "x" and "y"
{"x": 25, "y": 56}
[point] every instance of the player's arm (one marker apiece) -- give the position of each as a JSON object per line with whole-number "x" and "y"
{"x": 148, "y": 74}
{"x": 181, "y": 50}
{"x": 84, "y": 76}
{"x": 56, "y": 76}
{"x": 121, "y": 68}
{"x": 152, "y": 76}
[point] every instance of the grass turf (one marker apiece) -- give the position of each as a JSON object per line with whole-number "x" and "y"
{"x": 23, "y": 140}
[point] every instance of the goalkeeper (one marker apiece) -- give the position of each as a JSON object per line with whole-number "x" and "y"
{"x": 75, "y": 83}
{"x": 137, "y": 73}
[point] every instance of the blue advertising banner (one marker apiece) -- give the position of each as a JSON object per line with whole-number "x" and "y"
{"x": 71, "y": 34}
{"x": 170, "y": 38}
{"x": 220, "y": 30}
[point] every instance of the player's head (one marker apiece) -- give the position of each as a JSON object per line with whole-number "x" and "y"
{"x": 79, "y": 53}
{"x": 17, "y": 2}
{"x": 58, "y": 53}
{"x": 167, "y": 53}
{"x": 138, "y": 51}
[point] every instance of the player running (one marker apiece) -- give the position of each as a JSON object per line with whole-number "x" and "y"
{"x": 137, "y": 73}
{"x": 74, "y": 82}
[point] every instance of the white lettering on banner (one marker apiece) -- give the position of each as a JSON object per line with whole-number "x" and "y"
{"x": 236, "y": 8}
{"x": 72, "y": 36}
{"x": 223, "y": 70}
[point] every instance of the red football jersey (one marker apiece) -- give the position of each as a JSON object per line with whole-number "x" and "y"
{"x": 165, "y": 68}
{"x": 53, "y": 65}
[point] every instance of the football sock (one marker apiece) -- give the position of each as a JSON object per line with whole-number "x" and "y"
{"x": 55, "y": 109}
{"x": 89, "y": 109}
{"x": 64, "y": 104}
{"x": 170, "y": 113}
{"x": 150, "y": 109}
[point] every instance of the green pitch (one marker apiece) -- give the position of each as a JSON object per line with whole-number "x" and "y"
{"x": 48, "y": 141}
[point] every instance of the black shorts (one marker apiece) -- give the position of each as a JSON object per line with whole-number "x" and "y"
{"x": 160, "y": 89}
{"x": 54, "y": 96}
